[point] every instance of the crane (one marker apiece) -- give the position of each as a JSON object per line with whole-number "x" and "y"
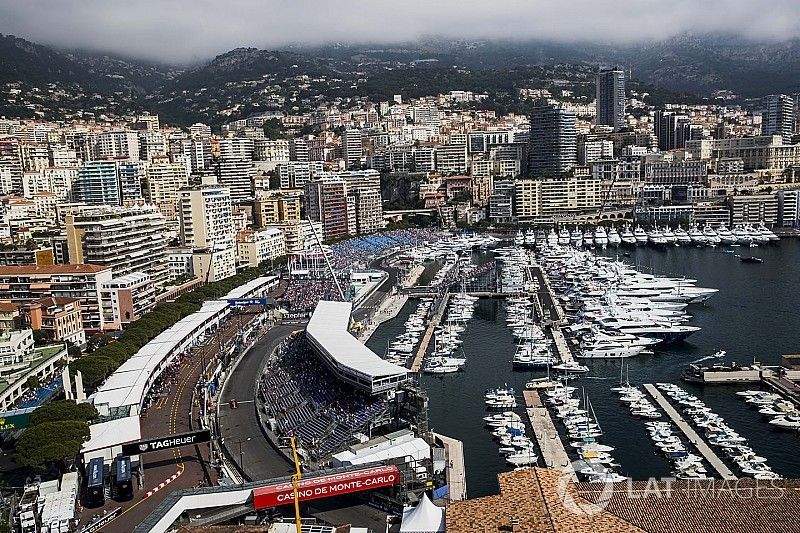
{"x": 296, "y": 477}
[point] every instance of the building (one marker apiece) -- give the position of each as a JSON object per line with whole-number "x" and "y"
{"x": 42, "y": 256}
{"x": 295, "y": 174}
{"x": 24, "y": 283}
{"x": 59, "y": 318}
{"x": 662, "y": 171}
{"x": 124, "y": 239}
{"x": 211, "y": 266}
{"x": 164, "y": 180}
{"x": 501, "y": 202}
{"x": 205, "y": 217}
{"x": 16, "y": 352}
{"x": 253, "y": 247}
{"x": 451, "y": 158}
{"x": 762, "y": 152}
{"x": 131, "y": 181}
{"x": 364, "y": 193}
{"x": 117, "y": 145}
{"x": 237, "y": 175}
{"x": 611, "y": 98}
{"x": 279, "y": 205}
{"x": 97, "y": 183}
{"x": 552, "y": 141}
{"x": 754, "y": 209}
{"x": 125, "y": 299}
{"x": 326, "y": 202}
{"x": 789, "y": 208}
{"x": 352, "y": 149}
{"x": 538, "y": 200}
{"x": 673, "y": 130}
{"x": 299, "y": 235}
{"x": 777, "y": 116}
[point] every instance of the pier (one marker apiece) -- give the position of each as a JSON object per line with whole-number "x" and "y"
{"x": 564, "y": 353}
{"x": 456, "y": 472}
{"x": 426, "y": 339}
{"x": 709, "y": 455}
{"x": 554, "y": 454}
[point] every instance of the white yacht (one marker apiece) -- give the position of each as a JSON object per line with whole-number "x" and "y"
{"x": 614, "y": 238}
{"x": 768, "y": 233}
{"x": 588, "y": 238}
{"x": 756, "y": 235}
{"x": 696, "y": 235}
{"x": 669, "y": 236}
{"x": 552, "y": 237}
{"x": 640, "y": 235}
{"x": 519, "y": 238}
{"x": 682, "y": 236}
{"x": 712, "y": 238}
{"x": 530, "y": 237}
{"x": 576, "y": 238}
{"x": 656, "y": 238}
{"x": 572, "y": 367}
{"x": 742, "y": 235}
{"x": 627, "y": 237}
{"x": 600, "y": 237}
{"x": 725, "y": 235}
{"x": 563, "y": 236}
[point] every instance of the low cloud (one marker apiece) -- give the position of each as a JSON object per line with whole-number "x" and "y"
{"x": 192, "y": 30}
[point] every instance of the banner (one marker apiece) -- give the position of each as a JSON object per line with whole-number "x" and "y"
{"x": 326, "y": 486}
{"x": 247, "y": 301}
{"x": 165, "y": 443}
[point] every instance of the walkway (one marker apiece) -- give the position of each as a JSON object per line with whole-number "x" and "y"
{"x": 388, "y": 309}
{"x": 456, "y": 471}
{"x": 553, "y": 453}
{"x": 426, "y": 339}
{"x": 715, "y": 462}
{"x": 564, "y": 353}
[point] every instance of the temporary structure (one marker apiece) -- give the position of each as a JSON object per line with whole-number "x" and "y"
{"x": 426, "y": 517}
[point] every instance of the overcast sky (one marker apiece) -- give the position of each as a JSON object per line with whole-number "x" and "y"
{"x": 191, "y": 30}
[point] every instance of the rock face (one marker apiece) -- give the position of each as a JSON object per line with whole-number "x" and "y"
{"x": 400, "y": 190}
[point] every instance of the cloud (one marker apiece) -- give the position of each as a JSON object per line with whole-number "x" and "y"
{"x": 190, "y": 30}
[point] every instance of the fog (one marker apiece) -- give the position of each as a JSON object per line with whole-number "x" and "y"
{"x": 191, "y": 30}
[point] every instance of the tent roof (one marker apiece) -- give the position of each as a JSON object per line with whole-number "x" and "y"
{"x": 426, "y": 517}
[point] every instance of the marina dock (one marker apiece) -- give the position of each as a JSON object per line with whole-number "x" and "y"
{"x": 456, "y": 471}
{"x": 709, "y": 455}
{"x": 564, "y": 353}
{"x": 426, "y": 339}
{"x": 553, "y": 453}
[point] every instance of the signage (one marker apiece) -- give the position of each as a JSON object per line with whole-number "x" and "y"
{"x": 326, "y": 486}
{"x": 165, "y": 443}
{"x": 247, "y": 301}
{"x": 12, "y": 422}
{"x": 100, "y": 522}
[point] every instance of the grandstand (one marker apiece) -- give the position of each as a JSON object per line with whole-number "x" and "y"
{"x": 344, "y": 355}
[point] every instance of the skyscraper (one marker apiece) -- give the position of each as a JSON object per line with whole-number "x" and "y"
{"x": 611, "y": 98}
{"x": 97, "y": 183}
{"x": 553, "y": 141}
{"x": 777, "y": 116}
{"x": 674, "y": 129}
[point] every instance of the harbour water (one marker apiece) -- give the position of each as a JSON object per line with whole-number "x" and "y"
{"x": 754, "y": 315}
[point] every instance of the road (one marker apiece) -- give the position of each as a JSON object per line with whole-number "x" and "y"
{"x": 169, "y": 415}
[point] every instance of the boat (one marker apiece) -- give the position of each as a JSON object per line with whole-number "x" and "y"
{"x": 725, "y": 235}
{"x": 681, "y": 236}
{"x": 600, "y": 237}
{"x": 750, "y": 259}
{"x": 627, "y": 237}
{"x": 711, "y": 236}
{"x": 640, "y": 236}
{"x": 563, "y": 237}
{"x": 571, "y": 367}
{"x": 614, "y": 238}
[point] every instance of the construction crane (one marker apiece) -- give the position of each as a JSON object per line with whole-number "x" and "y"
{"x": 296, "y": 477}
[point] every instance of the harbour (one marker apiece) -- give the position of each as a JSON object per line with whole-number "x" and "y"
{"x": 726, "y": 323}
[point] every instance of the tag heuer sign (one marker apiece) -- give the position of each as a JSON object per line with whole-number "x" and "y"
{"x": 165, "y": 443}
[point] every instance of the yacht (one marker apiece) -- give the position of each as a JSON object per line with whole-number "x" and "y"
{"x": 656, "y": 238}
{"x": 588, "y": 238}
{"x": 756, "y": 235}
{"x": 670, "y": 236}
{"x": 742, "y": 235}
{"x": 572, "y": 367}
{"x": 712, "y": 238}
{"x": 682, "y": 236}
{"x": 696, "y": 235}
{"x": 563, "y": 237}
{"x": 519, "y": 238}
{"x": 610, "y": 351}
{"x": 627, "y": 237}
{"x": 530, "y": 237}
{"x": 640, "y": 236}
{"x": 600, "y": 237}
{"x": 614, "y": 238}
{"x": 576, "y": 238}
{"x": 768, "y": 233}
{"x": 552, "y": 237}
{"x": 725, "y": 235}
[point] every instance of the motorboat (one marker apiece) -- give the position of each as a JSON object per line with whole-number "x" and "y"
{"x": 681, "y": 236}
{"x": 640, "y": 236}
{"x": 552, "y": 237}
{"x": 614, "y": 238}
{"x": 669, "y": 236}
{"x": 627, "y": 237}
{"x": 711, "y": 236}
{"x": 576, "y": 238}
{"x": 572, "y": 367}
{"x": 563, "y": 237}
{"x": 656, "y": 238}
{"x": 600, "y": 237}
{"x": 697, "y": 237}
{"x": 725, "y": 235}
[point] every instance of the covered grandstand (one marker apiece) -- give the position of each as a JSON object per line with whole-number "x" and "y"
{"x": 119, "y": 401}
{"x": 345, "y": 356}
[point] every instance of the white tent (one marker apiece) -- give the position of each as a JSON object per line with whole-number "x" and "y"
{"x": 426, "y": 517}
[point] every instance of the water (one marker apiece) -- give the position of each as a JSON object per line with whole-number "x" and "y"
{"x": 754, "y": 315}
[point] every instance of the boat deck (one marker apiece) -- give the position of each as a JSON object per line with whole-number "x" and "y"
{"x": 554, "y": 454}
{"x": 700, "y": 443}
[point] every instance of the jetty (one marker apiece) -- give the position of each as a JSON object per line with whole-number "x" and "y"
{"x": 438, "y": 313}
{"x": 456, "y": 472}
{"x": 709, "y": 455}
{"x": 554, "y": 454}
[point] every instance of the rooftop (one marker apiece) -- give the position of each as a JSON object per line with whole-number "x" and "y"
{"x": 21, "y": 270}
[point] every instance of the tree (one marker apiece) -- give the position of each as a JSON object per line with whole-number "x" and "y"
{"x": 33, "y": 382}
{"x": 62, "y": 410}
{"x": 51, "y": 443}
{"x": 40, "y": 337}
{"x": 273, "y": 129}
